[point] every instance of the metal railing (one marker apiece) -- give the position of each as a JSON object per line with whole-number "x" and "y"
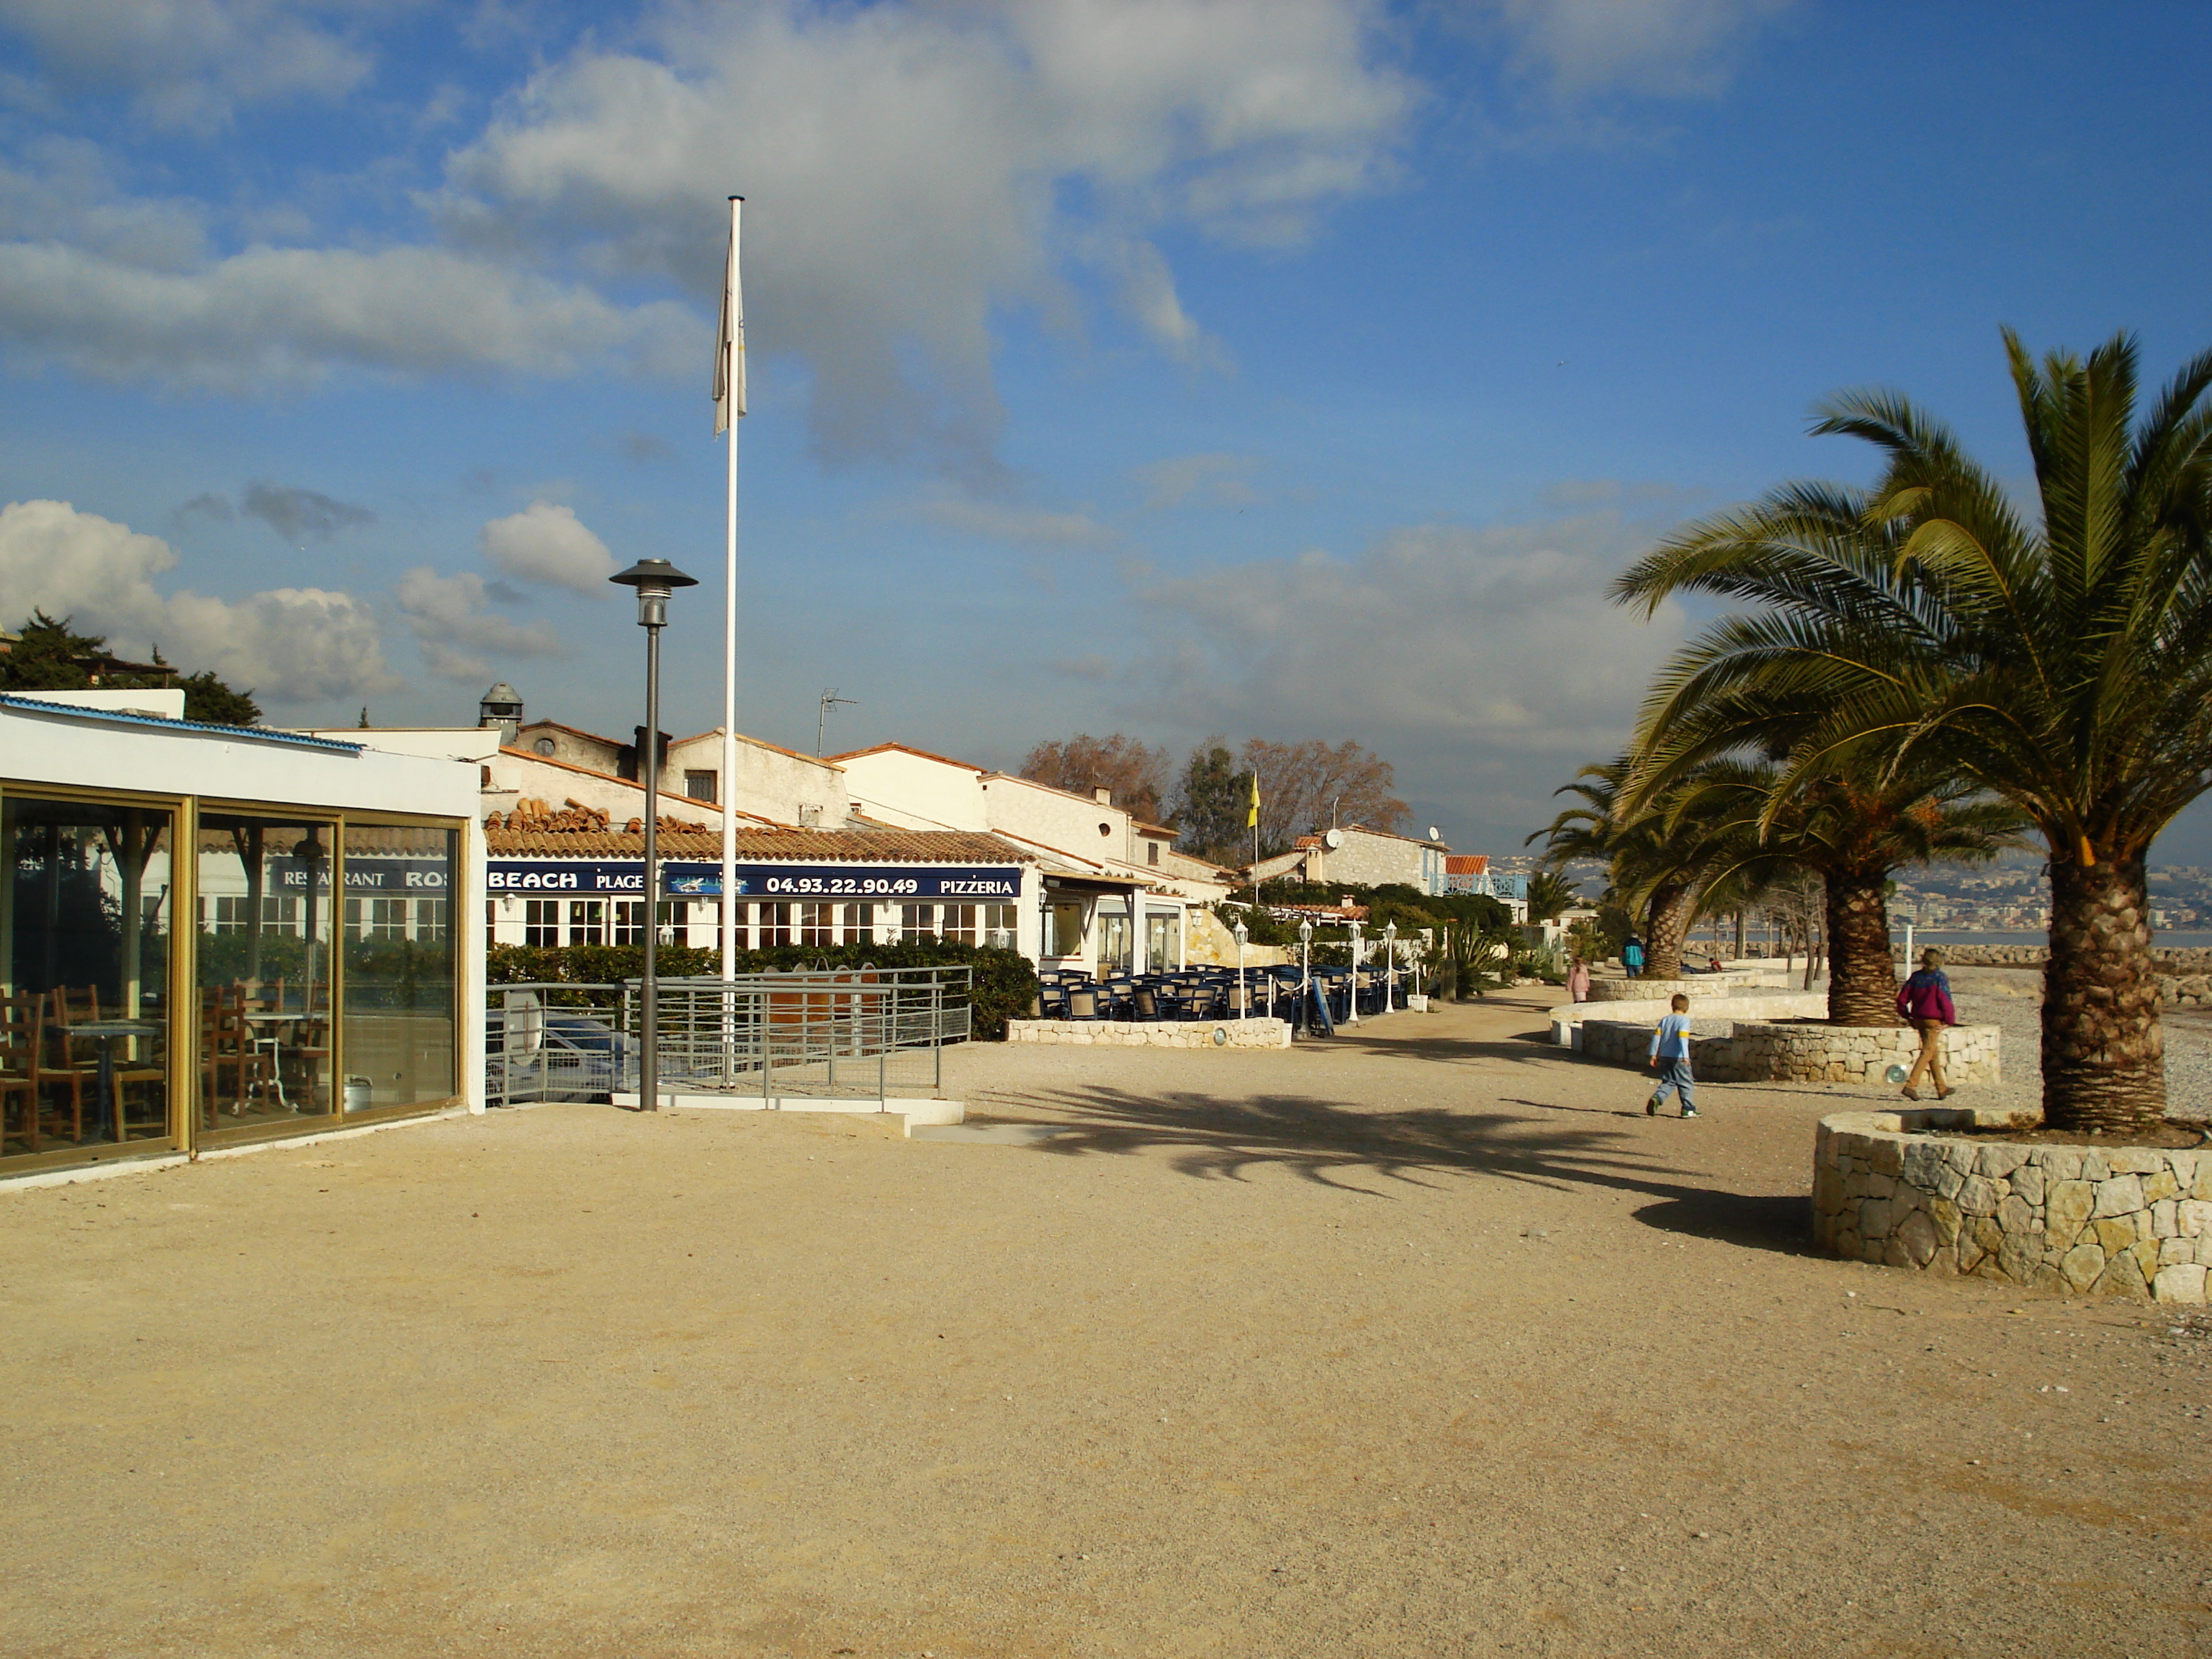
{"x": 852, "y": 1033}
{"x": 556, "y": 1042}
{"x": 865, "y": 1033}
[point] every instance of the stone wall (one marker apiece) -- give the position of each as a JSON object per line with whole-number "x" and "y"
{"x": 1808, "y": 1051}
{"x": 1697, "y": 987}
{"x": 1748, "y": 1005}
{"x": 1153, "y": 1033}
{"x": 2110, "y": 1221}
{"x": 2175, "y": 964}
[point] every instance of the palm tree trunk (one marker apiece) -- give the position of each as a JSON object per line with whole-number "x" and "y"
{"x": 1667, "y": 922}
{"x": 1861, "y": 982}
{"x": 2104, "y": 1056}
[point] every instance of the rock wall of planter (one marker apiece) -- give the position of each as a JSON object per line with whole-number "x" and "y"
{"x": 1153, "y": 1034}
{"x": 1607, "y": 989}
{"x": 2177, "y": 963}
{"x": 1810, "y": 1051}
{"x": 2119, "y": 1221}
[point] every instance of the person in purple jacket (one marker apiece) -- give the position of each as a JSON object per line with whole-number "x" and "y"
{"x": 1925, "y": 1000}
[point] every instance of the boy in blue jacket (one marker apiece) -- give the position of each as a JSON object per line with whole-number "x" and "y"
{"x": 1670, "y": 1058}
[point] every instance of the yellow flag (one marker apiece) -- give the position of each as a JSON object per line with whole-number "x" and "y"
{"x": 1252, "y": 818}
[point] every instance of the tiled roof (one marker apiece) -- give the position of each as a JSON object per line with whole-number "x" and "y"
{"x": 907, "y": 748}
{"x": 770, "y": 846}
{"x": 1470, "y": 864}
{"x": 715, "y": 731}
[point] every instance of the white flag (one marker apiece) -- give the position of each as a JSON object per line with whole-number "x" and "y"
{"x": 730, "y": 342}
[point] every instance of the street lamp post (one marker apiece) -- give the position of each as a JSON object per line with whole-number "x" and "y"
{"x": 1352, "y": 1015}
{"x": 1305, "y": 969}
{"x": 1390, "y": 967}
{"x": 1243, "y": 997}
{"x": 654, "y": 580}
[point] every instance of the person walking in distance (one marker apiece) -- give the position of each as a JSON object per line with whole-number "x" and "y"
{"x": 1670, "y": 1058}
{"x": 1578, "y": 981}
{"x": 1925, "y": 1002}
{"x": 1631, "y": 957}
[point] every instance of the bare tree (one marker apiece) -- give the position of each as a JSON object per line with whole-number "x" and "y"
{"x": 1304, "y": 787}
{"x": 1136, "y": 772}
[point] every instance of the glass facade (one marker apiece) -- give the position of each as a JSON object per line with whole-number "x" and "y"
{"x": 397, "y": 1019}
{"x": 262, "y": 968}
{"x": 293, "y": 968}
{"x": 85, "y": 1019}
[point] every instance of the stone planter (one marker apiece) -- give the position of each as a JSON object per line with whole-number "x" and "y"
{"x": 2109, "y": 1221}
{"x": 1153, "y": 1034}
{"x": 1808, "y": 1051}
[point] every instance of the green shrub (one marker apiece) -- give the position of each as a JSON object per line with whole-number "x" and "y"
{"x": 1002, "y": 986}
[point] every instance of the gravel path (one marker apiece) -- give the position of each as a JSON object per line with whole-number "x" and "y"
{"x": 2011, "y": 998}
{"x": 1420, "y": 1342}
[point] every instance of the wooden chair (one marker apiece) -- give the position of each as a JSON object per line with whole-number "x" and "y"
{"x": 69, "y": 1059}
{"x": 21, "y": 1022}
{"x": 227, "y": 1044}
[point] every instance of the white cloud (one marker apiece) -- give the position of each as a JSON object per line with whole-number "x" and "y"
{"x": 288, "y": 644}
{"x": 906, "y": 168}
{"x": 1667, "y": 47}
{"x": 1488, "y": 664}
{"x": 188, "y": 63}
{"x": 273, "y": 317}
{"x": 1212, "y": 480}
{"x": 545, "y": 543}
{"x": 1022, "y": 526}
{"x": 454, "y": 632}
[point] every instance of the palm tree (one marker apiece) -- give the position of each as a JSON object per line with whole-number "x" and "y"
{"x": 2060, "y": 660}
{"x": 1659, "y": 864}
{"x": 1549, "y": 893}
{"x": 1851, "y": 830}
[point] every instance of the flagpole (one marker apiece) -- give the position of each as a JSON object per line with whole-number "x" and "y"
{"x": 731, "y": 377}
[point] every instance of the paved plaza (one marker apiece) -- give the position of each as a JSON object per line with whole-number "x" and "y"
{"x": 1421, "y": 1341}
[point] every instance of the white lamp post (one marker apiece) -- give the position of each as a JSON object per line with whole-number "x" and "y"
{"x": 1305, "y": 967}
{"x": 1243, "y": 997}
{"x": 1390, "y": 968}
{"x": 1353, "y": 1017}
{"x": 654, "y": 580}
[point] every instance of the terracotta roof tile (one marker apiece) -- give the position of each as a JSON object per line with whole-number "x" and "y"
{"x": 907, "y": 749}
{"x": 768, "y": 846}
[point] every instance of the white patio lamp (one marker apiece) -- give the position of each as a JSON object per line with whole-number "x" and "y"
{"x": 1390, "y": 967}
{"x": 1243, "y": 999}
{"x": 1305, "y": 965}
{"x": 1353, "y": 1018}
{"x": 654, "y": 580}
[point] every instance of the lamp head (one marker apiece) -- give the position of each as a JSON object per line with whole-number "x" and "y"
{"x": 1242, "y": 933}
{"x": 1305, "y": 932}
{"x": 654, "y": 579}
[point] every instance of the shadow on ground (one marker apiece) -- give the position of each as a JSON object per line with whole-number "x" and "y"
{"x": 1348, "y": 1147}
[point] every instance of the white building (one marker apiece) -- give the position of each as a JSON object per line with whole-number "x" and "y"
{"x": 1113, "y": 896}
{"x": 211, "y": 934}
{"x": 1357, "y": 856}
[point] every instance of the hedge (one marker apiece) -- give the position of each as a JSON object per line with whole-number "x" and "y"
{"x": 1003, "y": 984}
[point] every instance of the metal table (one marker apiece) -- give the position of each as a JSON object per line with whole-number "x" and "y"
{"x": 111, "y": 1109}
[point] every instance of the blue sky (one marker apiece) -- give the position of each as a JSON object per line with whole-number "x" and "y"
{"x": 1273, "y": 367}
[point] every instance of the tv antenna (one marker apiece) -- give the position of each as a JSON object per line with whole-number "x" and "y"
{"x": 830, "y": 700}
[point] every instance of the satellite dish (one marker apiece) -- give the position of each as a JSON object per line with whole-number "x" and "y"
{"x": 1435, "y": 834}
{"x": 1333, "y": 839}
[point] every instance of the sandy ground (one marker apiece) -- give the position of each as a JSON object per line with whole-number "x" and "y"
{"x": 1420, "y": 1342}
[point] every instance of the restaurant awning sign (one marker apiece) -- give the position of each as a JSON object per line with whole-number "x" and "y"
{"x": 985, "y": 883}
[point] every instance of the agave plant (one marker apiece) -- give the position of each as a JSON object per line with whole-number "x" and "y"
{"x": 2058, "y": 657}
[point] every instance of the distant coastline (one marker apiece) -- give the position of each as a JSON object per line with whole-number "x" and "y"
{"x": 2175, "y": 939}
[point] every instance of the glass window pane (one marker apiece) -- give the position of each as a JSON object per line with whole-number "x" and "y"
{"x": 84, "y": 972}
{"x": 397, "y": 991}
{"x": 264, "y": 990}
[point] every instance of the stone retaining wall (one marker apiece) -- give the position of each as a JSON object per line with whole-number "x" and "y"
{"x": 1153, "y": 1033}
{"x": 2117, "y": 1221}
{"x": 1748, "y": 1004}
{"x": 2174, "y": 963}
{"x": 1697, "y": 988}
{"x": 1808, "y": 1051}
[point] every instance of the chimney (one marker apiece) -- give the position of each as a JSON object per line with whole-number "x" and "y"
{"x": 502, "y": 707}
{"x": 1103, "y": 797}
